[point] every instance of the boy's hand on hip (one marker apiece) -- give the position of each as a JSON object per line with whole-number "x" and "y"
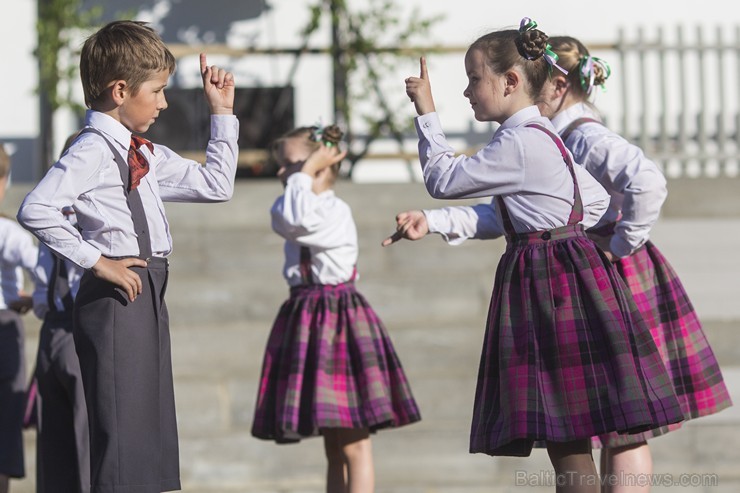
{"x": 218, "y": 86}
{"x": 118, "y": 272}
{"x": 411, "y": 225}
{"x": 419, "y": 90}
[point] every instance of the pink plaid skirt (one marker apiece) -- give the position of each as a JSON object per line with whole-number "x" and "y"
{"x": 683, "y": 347}
{"x": 329, "y": 363}
{"x": 566, "y": 354}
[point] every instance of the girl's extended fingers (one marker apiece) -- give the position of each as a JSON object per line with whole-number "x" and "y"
{"x": 220, "y": 77}
{"x": 392, "y": 239}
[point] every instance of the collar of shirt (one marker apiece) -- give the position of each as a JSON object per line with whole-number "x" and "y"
{"x": 521, "y": 116}
{"x": 572, "y": 113}
{"x": 110, "y": 127}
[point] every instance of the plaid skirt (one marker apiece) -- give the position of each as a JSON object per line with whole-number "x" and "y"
{"x": 677, "y": 332}
{"x": 566, "y": 354}
{"x": 329, "y": 363}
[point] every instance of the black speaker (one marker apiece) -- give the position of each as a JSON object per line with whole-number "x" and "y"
{"x": 264, "y": 113}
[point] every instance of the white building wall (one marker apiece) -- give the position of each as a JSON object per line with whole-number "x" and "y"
{"x": 279, "y": 27}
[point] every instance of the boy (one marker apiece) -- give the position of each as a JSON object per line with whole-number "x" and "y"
{"x": 63, "y": 439}
{"x": 121, "y": 326}
{"x": 16, "y": 250}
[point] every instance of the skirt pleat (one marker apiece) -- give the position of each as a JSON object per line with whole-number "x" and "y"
{"x": 329, "y": 363}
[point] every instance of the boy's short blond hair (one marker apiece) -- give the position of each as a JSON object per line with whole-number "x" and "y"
{"x": 122, "y": 50}
{"x": 4, "y": 162}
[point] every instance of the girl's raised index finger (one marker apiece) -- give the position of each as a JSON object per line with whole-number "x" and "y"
{"x": 423, "y": 68}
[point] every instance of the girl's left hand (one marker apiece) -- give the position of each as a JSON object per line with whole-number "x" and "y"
{"x": 218, "y": 86}
{"x": 322, "y": 158}
{"x": 411, "y": 225}
{"x": 610, "y": 256}
{"x": 419, "y": 90}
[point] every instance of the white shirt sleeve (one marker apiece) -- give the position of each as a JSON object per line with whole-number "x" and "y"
{"x": 185, "y": 180}
{"x": 457, "y": 224}
{"x": 41, "y": 211}
{"x": 488, "y": 172}
{"x": 594, "y": 197}
{"x": 624, "y": 168}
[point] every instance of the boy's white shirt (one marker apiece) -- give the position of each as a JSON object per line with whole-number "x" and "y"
{"x": 87, "y": 177}
{"x": 17, "y": 254}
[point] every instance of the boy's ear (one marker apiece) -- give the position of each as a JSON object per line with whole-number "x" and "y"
{"x": 118, "y": 91}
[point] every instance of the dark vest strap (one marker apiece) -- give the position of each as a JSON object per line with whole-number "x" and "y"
{"x": 575, "y": 124}
{"x": 576, "y": 213}
{"x": 52, "y": 284}
{"x": 306, "y": 274}
{"x": 58, "y": 284}
{"x": 138, "y": 216}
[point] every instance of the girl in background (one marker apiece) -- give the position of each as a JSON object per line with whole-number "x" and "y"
{"x": 330, "y": 368}
{"x": 637, "y": 189}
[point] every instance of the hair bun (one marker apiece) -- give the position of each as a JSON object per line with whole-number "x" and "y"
{"x": 332, "y": 134}
{"x": 532, "y": 43}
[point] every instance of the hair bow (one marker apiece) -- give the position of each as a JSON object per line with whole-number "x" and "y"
{"x": 527, "y": 24}
{"x": 317, "y": 134}
{"x": 552, "y": 59}
{"x": 587, "y": 74}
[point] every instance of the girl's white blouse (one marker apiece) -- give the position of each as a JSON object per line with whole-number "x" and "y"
{"x": 636, "y": 184}
{"x": 321, "y": 222}
{"x": 521, "y": 164}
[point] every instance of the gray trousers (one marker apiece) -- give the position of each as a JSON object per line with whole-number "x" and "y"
{"x": 125, "y": 359}
{"x": 63, "y": 440}
{"x": 12, "y": 394}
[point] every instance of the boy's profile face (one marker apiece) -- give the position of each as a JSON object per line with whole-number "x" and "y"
{"x": 137, "y": 112}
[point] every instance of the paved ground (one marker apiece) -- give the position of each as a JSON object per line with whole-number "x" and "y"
{"x": 226, "y": 288}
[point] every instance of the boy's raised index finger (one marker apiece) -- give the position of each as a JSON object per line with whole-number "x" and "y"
{"x": 423, "y": 65}
{"x": 203, "y": 63}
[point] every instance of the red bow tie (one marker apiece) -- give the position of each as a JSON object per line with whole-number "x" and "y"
{"x": 138, "y": 166}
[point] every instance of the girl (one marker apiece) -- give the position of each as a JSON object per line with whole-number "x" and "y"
{"x": 329, "y": 368}
{"x": 566, "y": 355}
{"x": 637, "y": 189}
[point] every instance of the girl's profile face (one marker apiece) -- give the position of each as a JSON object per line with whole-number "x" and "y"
{"x": 291, "y": 155}
{"x": 485, "y": 90}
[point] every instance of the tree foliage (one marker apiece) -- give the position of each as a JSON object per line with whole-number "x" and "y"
{"x": 58, "y": 23}
{"x": 367, "y": 44}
